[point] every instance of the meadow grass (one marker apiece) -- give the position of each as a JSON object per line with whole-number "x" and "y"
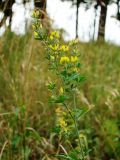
{"x": 26, "y": 117}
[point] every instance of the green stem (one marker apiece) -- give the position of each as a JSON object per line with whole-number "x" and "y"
{"x": 67, "y": 108}
{"x": 76, "y": 126}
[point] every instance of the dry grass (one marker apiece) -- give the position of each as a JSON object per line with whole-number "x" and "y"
{"x": 26, "y": 117}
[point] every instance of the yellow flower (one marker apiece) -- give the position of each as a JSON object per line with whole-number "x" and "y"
{"x": 62, "y": 122}
{"x": 55, "y": 47}
{"x": 36, "y": 35}
{"x": 74, "y": 59}
{"x": 64, "y": 48}
{"x": 55, "y": 34}
{"x": 61, "y": 90}
{"x": 51, "y": 37}
{"x": 64, "y": 59}
{"x": 35, "y": 14}
{"x": 60, "y": 118}
{"x": 73, "y": 42}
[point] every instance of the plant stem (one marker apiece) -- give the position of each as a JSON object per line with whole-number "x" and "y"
{"x": 76, "y": 127}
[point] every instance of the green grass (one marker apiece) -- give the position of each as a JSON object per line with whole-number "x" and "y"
{"x": 26, "y": 117}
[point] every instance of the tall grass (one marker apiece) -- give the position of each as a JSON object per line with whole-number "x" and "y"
{"x": 26, "y": 117}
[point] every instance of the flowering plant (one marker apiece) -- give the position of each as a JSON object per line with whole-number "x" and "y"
{"x": 64, "y": 61}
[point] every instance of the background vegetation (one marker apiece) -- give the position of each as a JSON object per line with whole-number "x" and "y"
{"x": 26, "y": 117}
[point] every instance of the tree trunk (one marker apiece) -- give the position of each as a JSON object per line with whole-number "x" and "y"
{"x": 6, "y": 7}
{"x": 102, "y": 22}
{"x": 95, "y": 10}
{"x": 77, "y": 12}
{"x": 118, "y": 10}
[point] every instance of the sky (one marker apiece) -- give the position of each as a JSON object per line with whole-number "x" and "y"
{"x": 63, "y": 16}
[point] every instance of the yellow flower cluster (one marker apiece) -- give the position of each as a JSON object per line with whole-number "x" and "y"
{"x": 64, "y": 48}
{"x": 36, "y": 35}
{"x": 74, "y": 59}
{"x": 62, "y": 123}
{"x": 73, "y": 42}
{"x": 61, "y": 90}
{"x": 64, "y": 59}
{"x": 54, "y": 47}
{"x": 60, "y": 118}
{"x": 54, "y": 34}
{"x": 35, "y": 14}
{"x": 37, "y": 26}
